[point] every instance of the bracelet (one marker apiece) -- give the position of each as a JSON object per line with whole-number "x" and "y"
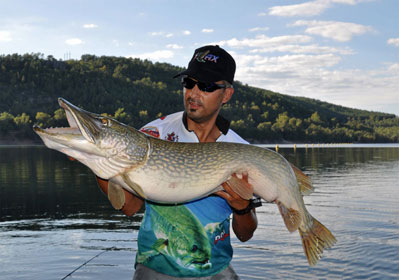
{"x": 253, "y": 203}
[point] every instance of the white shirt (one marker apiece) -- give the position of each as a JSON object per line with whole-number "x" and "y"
{"x": 172, "y": 128}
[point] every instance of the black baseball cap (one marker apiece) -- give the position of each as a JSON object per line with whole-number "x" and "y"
{"x": 210, "y": 64}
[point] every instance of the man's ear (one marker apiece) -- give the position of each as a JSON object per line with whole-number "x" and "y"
{"x": 228, "y": 93}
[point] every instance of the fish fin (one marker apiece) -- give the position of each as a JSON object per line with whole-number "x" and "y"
{"x": 139, "y": 191}
{"x": 116, "y": 195}
{"x": 146, "y": 256}
{"x": 291, "y": 217}
{"x": 304, "y": 182}
{"x": 160, "y": 244}
{"x": 237, "y": 187}
{"x": 315, "y": 240}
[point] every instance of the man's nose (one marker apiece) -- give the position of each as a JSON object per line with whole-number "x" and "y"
{"x": 196, "y": 91}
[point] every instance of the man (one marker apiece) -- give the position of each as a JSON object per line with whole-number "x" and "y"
{"x": 193, "y": 239}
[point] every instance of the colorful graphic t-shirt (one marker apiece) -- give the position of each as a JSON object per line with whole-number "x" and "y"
{"x": 191, "y": 239}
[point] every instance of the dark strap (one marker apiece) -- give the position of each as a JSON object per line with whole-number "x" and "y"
{"x": 253, "y": 203}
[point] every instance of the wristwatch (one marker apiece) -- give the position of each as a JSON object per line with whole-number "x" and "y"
{"x": 253, "y": 203}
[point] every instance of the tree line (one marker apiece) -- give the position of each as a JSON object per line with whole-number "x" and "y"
{"x": 136, "y": 91}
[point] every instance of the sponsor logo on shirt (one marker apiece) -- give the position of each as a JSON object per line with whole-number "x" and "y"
{"x": 151, "y": 130}
{"x": 221, "y": 236}
{"x": 172, "y": 137}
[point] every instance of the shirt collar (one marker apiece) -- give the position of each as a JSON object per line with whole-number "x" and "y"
{"x": 222, "y": 124}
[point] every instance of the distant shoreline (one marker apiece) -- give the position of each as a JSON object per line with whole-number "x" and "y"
{"x": 282, "y": 144}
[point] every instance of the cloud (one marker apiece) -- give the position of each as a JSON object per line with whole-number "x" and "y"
{"x": 90, "y": 26}
{"x": 391, "y": 41}
{"x": 296, "y": 63}
{"x": 297, "y": 49}
{"x": 156, "y": 33}
{"x": 349, "y": 2}
{"x": 310, "y": 8}
{"x": 156, "y": 55}
{"x": 186, "y": 32}
{"x": 74, "y": 41}
{"x": 263, "y": 41}
{"x": 205, "y": 30}
{"x": 162, "y": 34}
{"x": 315, "y": 76}
{"x": 393, "y": 67}
{"x": 174, "y": 46}
{"x": 258, "y": 29}
{"x": 339, "y": 31}
{"x": 5, "y": 36}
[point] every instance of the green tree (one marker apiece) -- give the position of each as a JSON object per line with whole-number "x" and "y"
{"x": 281, "y": 122}
{"x": 122, "y": 116}
{"x": 59, "y": 115}
{"x": 43, "y": 119}
{"x": 22, "y": 120}
{"x": 315, "y": 118}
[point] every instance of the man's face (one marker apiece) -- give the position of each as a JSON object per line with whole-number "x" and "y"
{"x": 201, "y": 106}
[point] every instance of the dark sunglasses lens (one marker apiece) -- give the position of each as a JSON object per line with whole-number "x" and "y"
{"x": 188, "y": 83}
{"x": 207, "y": 87}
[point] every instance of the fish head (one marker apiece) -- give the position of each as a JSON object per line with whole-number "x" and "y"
{"x": 199, "y": 257}
{"x": 98, "y": 141}
{"x": 195, "y": 253}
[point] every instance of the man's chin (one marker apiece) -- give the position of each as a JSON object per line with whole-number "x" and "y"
{"x": 193, "y": 114}
{"x": 193, "y": 111}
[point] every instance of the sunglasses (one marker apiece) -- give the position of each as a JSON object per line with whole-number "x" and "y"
{"x": 189, "y": 83}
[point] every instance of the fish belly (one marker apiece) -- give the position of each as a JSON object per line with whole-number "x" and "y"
{"x": 158, "y": 186}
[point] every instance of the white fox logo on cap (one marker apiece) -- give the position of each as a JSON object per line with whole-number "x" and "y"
{"x": 206, "y": 56}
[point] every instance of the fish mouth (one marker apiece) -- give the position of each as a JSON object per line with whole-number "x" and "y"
{"x": 81, "y": 123}
{"x": 201, "y": 264}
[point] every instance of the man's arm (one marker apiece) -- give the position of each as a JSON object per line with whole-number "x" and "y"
{"x": 243, "y": 225}
{"x": 132, "y": 203}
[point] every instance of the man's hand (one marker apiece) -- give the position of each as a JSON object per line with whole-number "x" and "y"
{"x": 243, "y": 225}
{"x": 232, "y": 198}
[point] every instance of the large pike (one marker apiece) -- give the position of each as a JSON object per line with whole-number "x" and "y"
{"x": 169, "y": 172}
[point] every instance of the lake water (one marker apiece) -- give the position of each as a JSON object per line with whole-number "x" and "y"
{"x": 56, "y": 224}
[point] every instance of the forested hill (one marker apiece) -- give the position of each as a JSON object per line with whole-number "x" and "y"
{"x": 136, "y": 91}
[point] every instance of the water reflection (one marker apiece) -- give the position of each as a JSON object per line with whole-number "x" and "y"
{"x": 52, "y": 205}
{"x": 37, "y": 182}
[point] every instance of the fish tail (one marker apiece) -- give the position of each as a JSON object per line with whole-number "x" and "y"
{"x": 314, "y": 240}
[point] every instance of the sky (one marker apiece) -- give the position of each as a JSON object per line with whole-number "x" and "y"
{"x": 344, "y": 52}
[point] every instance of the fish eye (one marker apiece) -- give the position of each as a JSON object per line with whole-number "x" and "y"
{"x": 106, "y": 122}
{"x": 194, "y": 248}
